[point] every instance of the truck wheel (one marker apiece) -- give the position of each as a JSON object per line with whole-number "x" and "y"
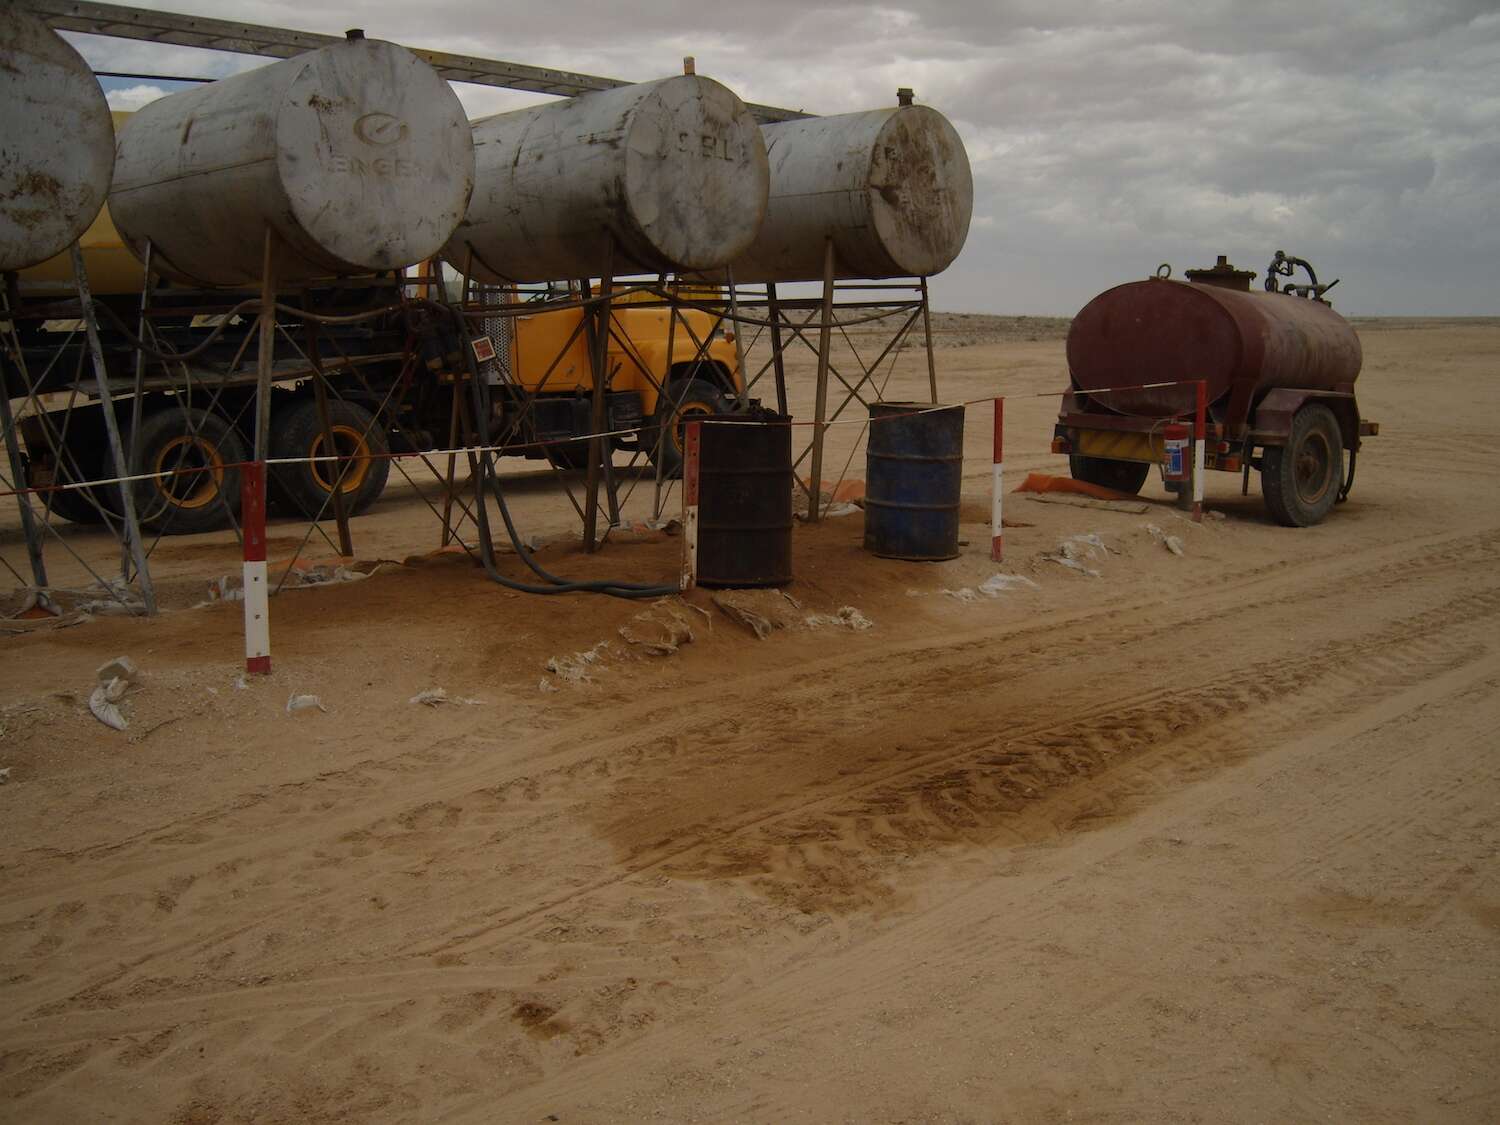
{"x": 193, "y": 454}
{"x": 1300, "y": 480}
{"x": 297, "y": 431}
{"x": 1122, "y": 476}
{"x": 697, "y": 399}
{"x": 74, "y": 505}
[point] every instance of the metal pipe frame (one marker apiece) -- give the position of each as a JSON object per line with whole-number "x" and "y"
{"x": 784, "y": 328}
{"x": 124, "y": 22}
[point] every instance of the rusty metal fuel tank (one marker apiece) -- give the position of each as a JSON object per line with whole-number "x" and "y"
{"x": 57, "y": 143}
{"x": 357, "y": 155}
{"x": 674, "y": 170}
{"x": 891, "y": 187}
{"x": 1212, "y": 327}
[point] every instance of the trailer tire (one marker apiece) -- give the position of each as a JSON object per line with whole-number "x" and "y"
{"x": 1122, "y": 476}
{"x": 297, "y": 431}
{"x": 698, "y": 398}
{"x": 74, "y": 505}
{"x": 194, "y": 455}
{"x": 1300, "y": 480}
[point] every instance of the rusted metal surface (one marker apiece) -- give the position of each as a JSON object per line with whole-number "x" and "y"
{"x": 891, "y": 187}
{"x": 675, "y": 171}
{"x": 57, "y": 144}
{"x": 1222, "y": 274}
{"x": 357, "y": 155}
{"x": 1242, "y": 343}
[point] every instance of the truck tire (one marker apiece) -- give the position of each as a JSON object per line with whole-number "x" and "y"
{"x": 1122, "y": 476}
{"x": 76, "y": 504}
{"x": 1300, "y": 480}
{"x": 297, "y": 431}
{"x": 697, "y": 398}
{"x": 194, "y": 455}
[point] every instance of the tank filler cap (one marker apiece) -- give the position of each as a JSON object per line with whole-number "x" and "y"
{"x": 1222, "y": 274}
{"x": 354, "y": 34}
{"x": 904, "y": 96}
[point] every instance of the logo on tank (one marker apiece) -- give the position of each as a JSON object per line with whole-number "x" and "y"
{"x": 706, "y": 144}
{"x": 380, "y": 129}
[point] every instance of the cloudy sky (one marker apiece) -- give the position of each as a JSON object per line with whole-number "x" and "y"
{"x": 1106, "y": 137}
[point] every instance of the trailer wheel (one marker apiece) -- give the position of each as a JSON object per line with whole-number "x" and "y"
{"x": 1300, "y": 480}
{"x": 193, "y": 454}
{"x": 297, "y": 431}
{"x": 75, "y": 505}
{"x": 1122, "y": 476}
{"x": 697, "y": 399}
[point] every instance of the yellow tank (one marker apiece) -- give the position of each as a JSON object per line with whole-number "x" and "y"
{"x": 112, "y": 268}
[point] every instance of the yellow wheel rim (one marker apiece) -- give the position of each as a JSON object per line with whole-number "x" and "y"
{"x": 189, "y": 472}
{"x": 349, "y": 442}
{"x": 684, "y": 416}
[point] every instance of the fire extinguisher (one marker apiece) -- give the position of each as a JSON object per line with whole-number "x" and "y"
{"x": 1176, "y": 441}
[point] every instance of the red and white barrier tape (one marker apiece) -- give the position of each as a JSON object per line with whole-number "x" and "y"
{"x": 997, "y": 520}
{"x": 691, "y": 446}
{"x": 257, "y": 593}
{"x": 1200, "y": 441}
{"x": 503, "y": 449}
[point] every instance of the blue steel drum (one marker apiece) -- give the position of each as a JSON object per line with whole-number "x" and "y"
{"x": 913, "y": 476}
{"x": 745, "y": 500}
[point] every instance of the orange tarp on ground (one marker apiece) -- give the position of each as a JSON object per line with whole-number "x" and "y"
{"x": 1043, "y": 482}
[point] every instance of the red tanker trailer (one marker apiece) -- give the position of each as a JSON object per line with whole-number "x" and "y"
{"x": 1279, "y": 365}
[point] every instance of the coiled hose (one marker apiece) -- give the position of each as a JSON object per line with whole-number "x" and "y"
{"x": 490, "y": 480}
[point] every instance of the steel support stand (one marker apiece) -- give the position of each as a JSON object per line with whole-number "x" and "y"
{"x": 820, "y": 410}
{"x": 133, "y": 453}
{"x": 448, "y": 497}
{"x": 739, "y": 341}
{"x": 598, "y": 357}
{"x": 439, "y": 286}
{"x": 13, "y": 454}
{"x": 267, "y": 349}
{"x": 778, "y": 356}
{"x": 338, "y": 469}
{"x": 662, "y": 437}
{"x": 927, "y": 332}
{"x": 132, "y": 526}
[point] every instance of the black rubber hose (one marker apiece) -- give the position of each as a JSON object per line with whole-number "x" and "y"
{"x": 487, "y": 476}
{"x": 1349, "y": 480}
{"x": 557, "y": 585}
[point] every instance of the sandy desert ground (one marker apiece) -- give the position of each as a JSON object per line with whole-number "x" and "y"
{"x": 1200, "y": 838}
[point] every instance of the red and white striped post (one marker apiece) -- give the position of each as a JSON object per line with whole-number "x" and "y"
{"x": 1200, "y": 440}
{"x": 690, "y": 445}
{"x": 997, "y": 522}
{"x": 257, "y": 608}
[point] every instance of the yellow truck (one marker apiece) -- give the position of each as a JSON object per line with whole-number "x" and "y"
{"x": 540, "y": 389}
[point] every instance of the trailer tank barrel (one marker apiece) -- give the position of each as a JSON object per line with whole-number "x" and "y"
{"x": 57, "y": 143}
{"x": 675, "y": 170}
{"x": 891, "y": 187}
{"x": 1238, "y": 341}
{"x": 357, "y": 155}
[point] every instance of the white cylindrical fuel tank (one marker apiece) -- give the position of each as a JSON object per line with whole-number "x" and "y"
{"x": 357, "y": 155}
{"x": 57, "y": 144}
{"x": 675, "y": 170}
{"x": 891, "y": 187}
